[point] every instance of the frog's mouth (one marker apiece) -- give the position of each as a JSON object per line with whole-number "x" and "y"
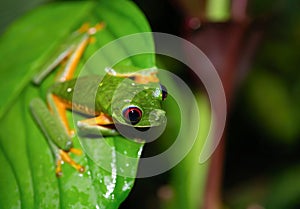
{"x": 144, "y": 133}
{"x": 110, "y": 129}
{"x": 138, "y": 128}
{"x": 138, "y": 133}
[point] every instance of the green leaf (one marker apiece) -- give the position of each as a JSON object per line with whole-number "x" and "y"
{"x": 28, "y": 167}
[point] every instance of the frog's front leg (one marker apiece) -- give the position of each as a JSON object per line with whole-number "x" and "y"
{"x": 101, "y": 125}
{"x": 56, "y": 134}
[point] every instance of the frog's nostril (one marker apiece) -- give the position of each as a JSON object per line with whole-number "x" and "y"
{"x": 157, "y": 116}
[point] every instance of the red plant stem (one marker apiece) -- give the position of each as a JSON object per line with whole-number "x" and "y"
{"x": 228, "y": 75}
{"x": 230, "y": 46}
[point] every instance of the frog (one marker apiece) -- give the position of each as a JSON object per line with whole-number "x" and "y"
{"x": 119, "y": 98}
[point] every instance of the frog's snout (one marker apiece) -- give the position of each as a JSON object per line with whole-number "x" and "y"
{"x": 157, "y": 117}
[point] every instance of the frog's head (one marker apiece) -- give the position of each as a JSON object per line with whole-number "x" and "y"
{"x": 139, "y": 105}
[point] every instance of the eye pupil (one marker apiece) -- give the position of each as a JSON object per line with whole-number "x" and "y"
{"x": 132, "y": 115}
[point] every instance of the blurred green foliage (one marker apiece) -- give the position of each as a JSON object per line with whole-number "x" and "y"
{"x": 263, "y": 155}
{"x": 272, "y": 90}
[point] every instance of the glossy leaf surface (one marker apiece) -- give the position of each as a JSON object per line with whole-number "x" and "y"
{"x": 28, "y": 167}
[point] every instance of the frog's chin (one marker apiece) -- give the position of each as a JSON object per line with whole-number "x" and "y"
{"x": 137, "y": 126}
{"x": 144, "y": 133}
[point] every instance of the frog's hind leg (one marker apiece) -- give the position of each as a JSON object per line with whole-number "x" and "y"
{"x": 59, "y": 107}
{"x": 65, "y": 157}
{"x": 59, "y": 140}
{"x": 70, "y": 67}
{"x": 75, "y": 57}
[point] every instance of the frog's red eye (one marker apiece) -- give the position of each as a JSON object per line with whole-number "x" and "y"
{"x": 132, "y": 114}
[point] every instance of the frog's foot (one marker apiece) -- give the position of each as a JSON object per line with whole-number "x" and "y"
{"x": 65, "y": 157}
{"x": 142, "y": 77}
{"x": 71, "y": 132}
{"x": 86, "y": 28}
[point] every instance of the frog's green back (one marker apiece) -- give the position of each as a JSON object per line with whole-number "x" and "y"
{"x": 80, "y": 93}
{"x": 110, "y": 94}
{"x": 88, "y": 94}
